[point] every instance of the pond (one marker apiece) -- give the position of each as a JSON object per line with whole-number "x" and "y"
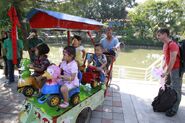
{"x": 134, "y": 57}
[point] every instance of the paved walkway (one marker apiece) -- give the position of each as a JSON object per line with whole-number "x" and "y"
{"x": 136, "y": 98}
{"x": 10, "y": 103}
{"x": 128, "y": 101}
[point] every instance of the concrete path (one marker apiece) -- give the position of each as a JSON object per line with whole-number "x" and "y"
{"x": 10, "y": 102}
{"x": 137, "y": 97}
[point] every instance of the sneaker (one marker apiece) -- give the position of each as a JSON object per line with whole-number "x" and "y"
{"x": 64, "y": 105}
{"x": 8, "y": 84}
{"x": 170, "y": 113}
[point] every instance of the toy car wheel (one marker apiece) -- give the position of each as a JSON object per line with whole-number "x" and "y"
{"x": 75, "y": 99}
{"x": 94, "y": 84}
{"x": 28, "y": 91}
{"x": 20, "y": 90}
{"x": 53, "y": 100}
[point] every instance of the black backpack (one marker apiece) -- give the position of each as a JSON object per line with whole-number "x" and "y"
{"x": 164, "y": 100}
{"x": 182, "y": 55}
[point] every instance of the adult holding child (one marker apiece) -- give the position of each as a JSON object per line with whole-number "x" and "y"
{"x": 110, "y": 43}
{"x": 33, "y": 41}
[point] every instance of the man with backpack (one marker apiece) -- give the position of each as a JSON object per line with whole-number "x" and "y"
{"x": 171, "y": 66}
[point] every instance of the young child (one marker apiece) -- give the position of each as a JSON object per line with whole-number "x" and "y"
{"x": 80, "y": 51}
{"x": 41, "y": 61}
{"x": 99, "y": 60}
{"x": 69, "y": 70}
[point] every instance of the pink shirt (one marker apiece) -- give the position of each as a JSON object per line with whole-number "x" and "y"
{"x": 69, "y": 69}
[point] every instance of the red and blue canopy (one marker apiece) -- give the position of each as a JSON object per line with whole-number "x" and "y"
{"x": 39, "y": 18}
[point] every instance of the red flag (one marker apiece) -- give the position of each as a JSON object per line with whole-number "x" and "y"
{"x": 13, "y": 16}
{"x": 15, "y": 22}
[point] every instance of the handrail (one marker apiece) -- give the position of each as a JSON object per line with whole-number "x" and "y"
{"x": 130, "y": 72}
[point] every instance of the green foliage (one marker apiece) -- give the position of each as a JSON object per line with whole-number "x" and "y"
{"x": 146, "y": 18}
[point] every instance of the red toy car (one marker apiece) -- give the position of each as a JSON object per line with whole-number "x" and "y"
{"x": 91, "y": 76}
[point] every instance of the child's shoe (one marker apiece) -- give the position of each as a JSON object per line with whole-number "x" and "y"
{"x": 64, "y": 105}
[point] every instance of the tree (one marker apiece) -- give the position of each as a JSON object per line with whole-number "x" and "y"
{"x": 146, "y": 18}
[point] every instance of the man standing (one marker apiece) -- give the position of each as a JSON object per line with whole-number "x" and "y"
{"x": 110, "y": 44}
{"x": 7, "y": 45}
{"x": 33, "y": 42}
{"x": 171, "y": 66}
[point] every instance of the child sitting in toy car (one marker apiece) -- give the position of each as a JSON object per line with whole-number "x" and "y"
{"x": 41, "y": 61}
{"x": 99, "y": 61}
{"x": 69, "y": 72}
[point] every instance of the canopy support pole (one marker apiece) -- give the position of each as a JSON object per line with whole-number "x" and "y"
{"x": 92, "y": 40}
{"x": 68, "y": 38}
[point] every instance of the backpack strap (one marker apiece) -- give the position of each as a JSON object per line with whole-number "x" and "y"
{"x": 178, "y": 55}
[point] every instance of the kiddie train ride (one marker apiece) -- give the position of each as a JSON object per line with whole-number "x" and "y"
{"x": 35, "y": 109}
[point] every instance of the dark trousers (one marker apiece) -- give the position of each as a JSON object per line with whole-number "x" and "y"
{"x": 5, "y": 66}
{"x": 11, "y": 69}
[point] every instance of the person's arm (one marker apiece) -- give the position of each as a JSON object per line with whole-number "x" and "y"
{"x": 44, "y": 64}
{"x": 104, "y": 62}
{"x": 21, "y": 48}
{"x": 163, "y": 64}
{"x": 117, "y": 45}
{"x": 90, "y": 60}
{"x": 83, "y": 53}
{"x": 68, "y": 78}
{"x": 169, "y": 67}
{"x": 31, "y": 66}
{"x": 5, "y": 46}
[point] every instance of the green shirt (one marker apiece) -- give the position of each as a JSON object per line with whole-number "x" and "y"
{"x": 8, "y": 46}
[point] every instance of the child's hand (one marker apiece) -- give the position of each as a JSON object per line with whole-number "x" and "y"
{"x": 31, "y": 66}
{"x": 62, "y": 76}
{"x": 99, "y": 69}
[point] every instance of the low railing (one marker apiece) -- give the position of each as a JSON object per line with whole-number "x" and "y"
{"x": 127, "y": 72}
